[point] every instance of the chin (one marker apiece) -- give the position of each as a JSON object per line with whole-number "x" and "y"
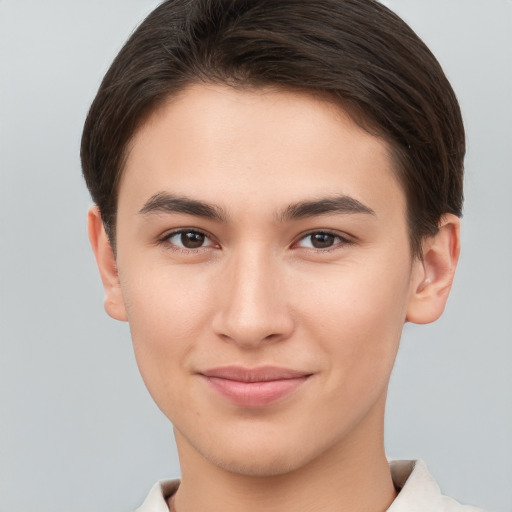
{"x": 262, "y": 454}
{"x": 258, "y": 465}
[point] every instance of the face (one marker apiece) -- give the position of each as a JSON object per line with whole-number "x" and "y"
{"x": 266, "y": 273}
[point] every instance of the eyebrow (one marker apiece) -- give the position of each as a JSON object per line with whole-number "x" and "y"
{"x": 330, "y": 205}
{"x": 162, "y": 202}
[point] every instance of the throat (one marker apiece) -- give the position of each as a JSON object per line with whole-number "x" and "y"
{"x": 340, "y": 490}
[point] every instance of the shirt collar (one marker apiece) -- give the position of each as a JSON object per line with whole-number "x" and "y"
{"x": 417, "y": 489}
{"x": 156, "y": 500}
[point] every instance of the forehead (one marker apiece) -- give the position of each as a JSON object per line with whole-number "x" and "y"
{"x": 243, "y": 145}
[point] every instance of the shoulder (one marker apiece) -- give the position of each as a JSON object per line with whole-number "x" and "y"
{"x": 419, "y": 492}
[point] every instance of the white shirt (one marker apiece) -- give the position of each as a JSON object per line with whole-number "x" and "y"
{"x": 418, "y": 492}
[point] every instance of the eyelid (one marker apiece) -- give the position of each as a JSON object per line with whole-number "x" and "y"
{"x": 344, "y": 238}
{"x": 164, "y": 239}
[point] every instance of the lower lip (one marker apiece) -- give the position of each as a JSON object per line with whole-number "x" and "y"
{"x": 255, "y": 394}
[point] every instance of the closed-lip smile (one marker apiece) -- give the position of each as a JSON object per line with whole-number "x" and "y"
{"x": 254, "y": 387}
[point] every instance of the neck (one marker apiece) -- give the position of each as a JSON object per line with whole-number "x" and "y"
{"x": 351, "y": 476}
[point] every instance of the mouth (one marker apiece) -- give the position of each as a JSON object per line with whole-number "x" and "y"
{"x": 254, "y": 387}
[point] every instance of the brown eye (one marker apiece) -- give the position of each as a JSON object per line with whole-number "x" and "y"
{"x": 322, "y": 240}
{"x": 189, "y": 239}
{"x": 192, "y": 240}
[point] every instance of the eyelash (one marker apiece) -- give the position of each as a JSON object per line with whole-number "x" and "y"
{"x": 165, "y": 240}
{"x": 342, "y": 240}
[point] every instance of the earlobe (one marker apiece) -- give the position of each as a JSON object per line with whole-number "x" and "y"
{"x": 433, "y": 274}
{"x": 114, "y": 302}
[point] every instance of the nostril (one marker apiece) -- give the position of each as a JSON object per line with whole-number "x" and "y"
{"x": 272, "y": 326}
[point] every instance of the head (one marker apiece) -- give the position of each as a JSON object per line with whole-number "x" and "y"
{"x": 277, "y": 188}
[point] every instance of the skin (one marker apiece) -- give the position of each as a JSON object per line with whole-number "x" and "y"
{"x": 256, "y": 292}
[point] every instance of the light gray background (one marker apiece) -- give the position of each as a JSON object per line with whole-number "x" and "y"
{"x": 78, "y": 431}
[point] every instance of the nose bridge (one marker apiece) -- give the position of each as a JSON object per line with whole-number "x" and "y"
{"x": 254, "y": 306}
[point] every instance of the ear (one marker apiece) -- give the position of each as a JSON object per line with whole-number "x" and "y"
{"x": 114, "y": 302}
{"x": 433, "y": 274}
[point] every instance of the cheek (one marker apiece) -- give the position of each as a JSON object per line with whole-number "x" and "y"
{"x": 357, "y": 319}
{"x": 165, "y": 303}
{"x": 167, "y": 313}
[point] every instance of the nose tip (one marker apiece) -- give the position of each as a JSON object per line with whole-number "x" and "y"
{"x": 251, "y": 329}
{"x": 253, "y": 308}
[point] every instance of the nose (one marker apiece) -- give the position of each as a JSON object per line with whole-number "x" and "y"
{"x": 253, "y": 305}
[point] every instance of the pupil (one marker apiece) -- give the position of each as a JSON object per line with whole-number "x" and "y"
{"x": 192, "y": 240}
{"x": 322, "y": 240}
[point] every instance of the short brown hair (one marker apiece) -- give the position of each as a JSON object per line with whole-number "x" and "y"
{"x": 357, "y": 52}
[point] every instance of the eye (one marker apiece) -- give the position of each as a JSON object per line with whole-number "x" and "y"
{"x": 322, "y": 240}
{"x": 189, "y": 239}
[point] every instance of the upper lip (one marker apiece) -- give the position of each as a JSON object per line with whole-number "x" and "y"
{"x": 260, "y": 374}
